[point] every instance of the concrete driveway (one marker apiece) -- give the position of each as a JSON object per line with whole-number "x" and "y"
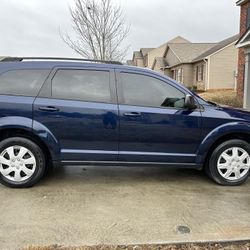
{"x": 118, "y": 205}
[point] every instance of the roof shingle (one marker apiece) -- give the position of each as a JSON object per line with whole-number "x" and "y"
{"x": 187, "y": 52}
{"x": 217, "y": 47}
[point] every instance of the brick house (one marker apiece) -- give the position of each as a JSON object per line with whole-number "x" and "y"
{"x": 243, "y": 88}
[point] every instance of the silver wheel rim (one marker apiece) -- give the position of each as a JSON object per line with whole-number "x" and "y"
{"x": 17, "y": 163}
{"x": 233, "y": 163}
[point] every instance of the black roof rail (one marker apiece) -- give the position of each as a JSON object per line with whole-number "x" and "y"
{"x": 20, "y": 59}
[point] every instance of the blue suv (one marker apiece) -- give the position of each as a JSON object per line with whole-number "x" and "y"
{"x": 62, "y": 111}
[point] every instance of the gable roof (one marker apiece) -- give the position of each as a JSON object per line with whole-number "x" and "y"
{"x": 187, "y": 52}
{"x": 137, "y": 54}
{"x": 217, "y": 47}
{"x": 240, "y": 2}
{"x": 161, "y": 61}
{"x": 144, "y": 51}
{"x": 178, "y": 39}
{"x": 161, "y": 50}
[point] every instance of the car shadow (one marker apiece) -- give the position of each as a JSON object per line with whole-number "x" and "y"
{"x": 118, "y": 174}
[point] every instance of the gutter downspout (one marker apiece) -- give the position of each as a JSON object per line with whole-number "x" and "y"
{"x": 207, "y": 62}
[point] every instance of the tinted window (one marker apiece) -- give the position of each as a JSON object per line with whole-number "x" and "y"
{"x": 82, "y": 85}
{"x": 22, "y": 82}
{"x": 148, "y": 91}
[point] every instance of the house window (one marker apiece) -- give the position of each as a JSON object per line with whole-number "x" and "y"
{"x": 174, "y": 74}
{"x": 200, "y": 73}
{"x": 248, "y": 17}
{"x": 179, "y": 75}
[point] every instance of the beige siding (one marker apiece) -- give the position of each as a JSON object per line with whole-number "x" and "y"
{"x": 168, "y": 72}
{"x": 140, "y": 62}
{"x": 165, "y": 71}
{"x": 158, "y": 52}
{"x": 157, "y": 68}
{"x": 187, "y": 70}
{"x": 222, "y": 67}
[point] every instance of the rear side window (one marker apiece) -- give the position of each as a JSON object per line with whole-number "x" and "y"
{"x": 83, "y": 85}
{"x": 22, "y": 82}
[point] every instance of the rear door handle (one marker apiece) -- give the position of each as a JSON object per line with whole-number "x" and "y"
{"x": 132, "y": 114}
{"x": 49, "y": 109}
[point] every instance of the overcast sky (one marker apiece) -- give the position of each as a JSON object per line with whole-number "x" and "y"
{"x": 31, "y": 27}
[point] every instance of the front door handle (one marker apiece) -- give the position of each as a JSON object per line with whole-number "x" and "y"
{"x": 49, "y": 109}
{"x": 132, "y": 114}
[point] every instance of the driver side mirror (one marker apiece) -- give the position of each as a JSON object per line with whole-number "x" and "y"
{"x": 190, "y": 102}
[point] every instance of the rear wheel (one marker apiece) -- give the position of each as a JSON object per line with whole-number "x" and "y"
{"x": 229, "y": 163}
{"x": 22, "y": 162}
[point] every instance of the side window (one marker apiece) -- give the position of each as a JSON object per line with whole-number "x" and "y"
{"x": 22, "y": 82}
{"x": 83, "y": 85}
{"x": 143, "y": 90}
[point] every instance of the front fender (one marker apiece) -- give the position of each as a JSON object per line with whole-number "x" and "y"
{"x": 216, "y": 134}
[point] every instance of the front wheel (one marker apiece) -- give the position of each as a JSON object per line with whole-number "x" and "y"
{"x": 229, "y": 163}
{"x": 22, "y": 162}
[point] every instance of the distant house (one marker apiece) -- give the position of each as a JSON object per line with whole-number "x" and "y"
{"x": 140, "y": 58}
{"x": 243, "y": 84}
{"x": 203, "y": 65}
{"x": 217, "y": 67}
{"x": 161, "y": 50}
{"x": 179, "y": 58}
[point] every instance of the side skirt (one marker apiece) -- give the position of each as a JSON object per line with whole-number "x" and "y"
{"x": 135, "y": 164}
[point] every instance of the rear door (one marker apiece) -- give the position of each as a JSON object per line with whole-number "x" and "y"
{"x": 154, "y": 125}
{"x": 79, "y": 107}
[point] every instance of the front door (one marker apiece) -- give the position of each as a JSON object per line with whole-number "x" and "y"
{"x": 154, "y": 125}
{"x": 81, "y": 112}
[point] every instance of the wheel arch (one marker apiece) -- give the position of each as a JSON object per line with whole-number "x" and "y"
{"x": 219, "y": 135}
{"x": 20, "y": 132}
{"x": 30, "y": 129}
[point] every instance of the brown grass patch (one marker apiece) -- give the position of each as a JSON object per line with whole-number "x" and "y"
{"x": 214, "y": 246}
{"x": 223, "y": 97}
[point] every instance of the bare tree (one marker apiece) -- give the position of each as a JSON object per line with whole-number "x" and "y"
{"x": 100, "y": 30}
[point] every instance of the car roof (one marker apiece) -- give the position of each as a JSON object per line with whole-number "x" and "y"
{"x": 54, "y": 64}
{"x": 51, "y": 64}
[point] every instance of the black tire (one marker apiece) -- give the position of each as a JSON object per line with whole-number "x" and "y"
{"x": 38, "y": 154}
{"x": 211, "y": 166}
